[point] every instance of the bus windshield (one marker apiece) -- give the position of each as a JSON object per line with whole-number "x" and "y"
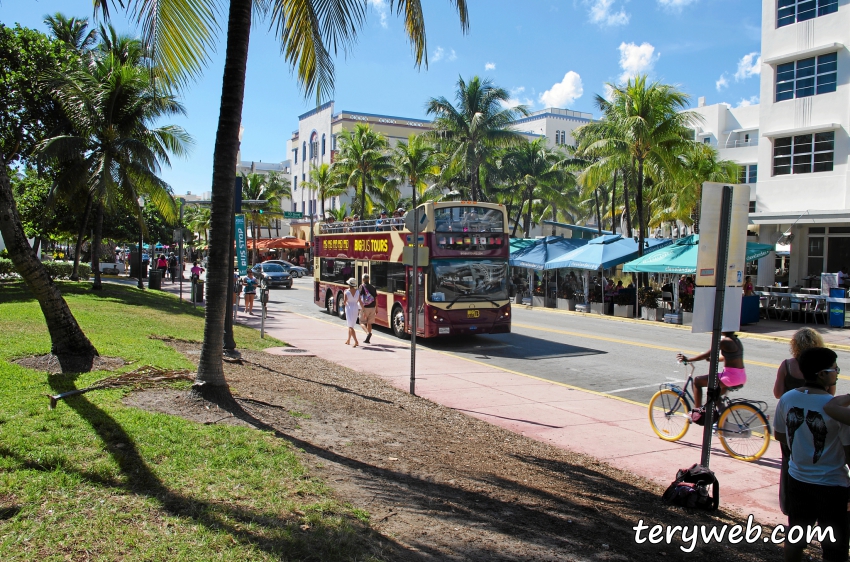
{"x": 468, "y": 219}
{"x": 469, "y": 280}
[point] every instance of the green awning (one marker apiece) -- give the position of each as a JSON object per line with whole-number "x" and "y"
{"x": 681, "y": 257}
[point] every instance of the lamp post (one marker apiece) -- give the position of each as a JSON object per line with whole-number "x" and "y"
{"x": 141, "y": 225}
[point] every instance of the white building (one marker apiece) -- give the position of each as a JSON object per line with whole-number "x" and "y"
{"x": 555, "y": 124}
{"x": 795, "y": 144}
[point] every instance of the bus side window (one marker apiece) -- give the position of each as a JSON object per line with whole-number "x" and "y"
{"x": 378, "y": 275}
{"x": 395, "y": 277}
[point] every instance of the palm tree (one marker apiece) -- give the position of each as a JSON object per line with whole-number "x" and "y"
{"x": 257, "y": 187}
{"x": 414, "y": 162}
{"x": 339, "y": 214}
{"x": 283, "y": 190}
{"x": 533, "y": 166}
{"x": 72, "y": 31}
{"x": 362, "y": 163}
{"x": 325, "y": 183}
{"x": 644, "y": 127}
{"x": 309, "y": 32}
{"x": 112, "y": 106}
{"x": 198, "y": 220}
{"x": 478, "y": 125}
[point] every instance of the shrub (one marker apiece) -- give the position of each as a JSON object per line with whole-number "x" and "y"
{"x": 625, "y": 298}
{"x": 595, "y": 293}
{"x": 687, "y": 302}
{"x": 6, "y": 267}
{"x": 649, "y": 297}
{"x": 55, "y": 269}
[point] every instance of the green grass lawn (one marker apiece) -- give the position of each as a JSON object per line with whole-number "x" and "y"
{"x": 95, "y": 480}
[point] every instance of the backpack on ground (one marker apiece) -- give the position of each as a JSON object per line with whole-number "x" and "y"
{"x": 691, "y": 489}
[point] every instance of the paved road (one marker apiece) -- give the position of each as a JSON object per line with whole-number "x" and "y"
{"x": 617, "y": 358}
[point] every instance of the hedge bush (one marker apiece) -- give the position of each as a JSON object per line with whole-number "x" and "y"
{"x": 56, "y": 269}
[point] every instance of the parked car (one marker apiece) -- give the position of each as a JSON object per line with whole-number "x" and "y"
{"x": 111, "y": 268}
{"x": 294, "y": 270}
{"x": 272, "y": 275}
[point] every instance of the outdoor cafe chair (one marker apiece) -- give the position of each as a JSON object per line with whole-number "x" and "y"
{"x": 820, "y": 308}
{"x": 667, "y": 299}
{"x": 783, "y": 308}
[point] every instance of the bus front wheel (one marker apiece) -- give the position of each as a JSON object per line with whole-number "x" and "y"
{"x": 398, "y": 323}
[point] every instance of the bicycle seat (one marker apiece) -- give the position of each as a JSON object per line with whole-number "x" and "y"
{"x": 734, "y": 388}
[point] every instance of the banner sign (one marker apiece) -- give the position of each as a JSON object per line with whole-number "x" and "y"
{"x": 241, "y": 245}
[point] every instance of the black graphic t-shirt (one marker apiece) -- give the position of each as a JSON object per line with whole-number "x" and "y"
{"x": 816, "y": 440}
{"x": 369, "y": 292}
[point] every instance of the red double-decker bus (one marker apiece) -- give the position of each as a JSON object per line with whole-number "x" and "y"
{"x": 463, "y": 276}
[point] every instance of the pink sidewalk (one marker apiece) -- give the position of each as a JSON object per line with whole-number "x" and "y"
{"x": 609, "y": 429}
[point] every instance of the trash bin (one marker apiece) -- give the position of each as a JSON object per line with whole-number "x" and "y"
{"x": 198, "y": 291}
{"x": 155, "y": 279}
{"x": 836, "y": 309}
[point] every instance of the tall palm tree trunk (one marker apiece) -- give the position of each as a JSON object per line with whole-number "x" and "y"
{"x": 474, "y": 182}
{"x": 528, "y": 214}
{"x": 210, "y": 382}
{"x": 554, "y": 217}
{"x": 517, "y": 219}
{"x": 68, "y": 342}
{"x": 75, "y": 273}
{"x": 641, "y": 217}
{"x": 628, "y": 207}
{"x": 598, "y": 212}
{"x": 614, "y": 204}
{"x": 95, "y": 248}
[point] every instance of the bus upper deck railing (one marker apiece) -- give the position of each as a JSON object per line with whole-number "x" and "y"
{"x": 349, "y": 226}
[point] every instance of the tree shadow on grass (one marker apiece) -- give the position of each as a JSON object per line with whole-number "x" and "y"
{"x": 277, "y": 536}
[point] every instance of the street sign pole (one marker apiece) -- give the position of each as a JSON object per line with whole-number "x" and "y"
{"x": 414, "y": 314}
{"x": 180, "y": 248}
{"x": 720, "y": 294}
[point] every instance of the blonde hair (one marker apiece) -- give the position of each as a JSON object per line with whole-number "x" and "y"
{"x": 803, "y": 339}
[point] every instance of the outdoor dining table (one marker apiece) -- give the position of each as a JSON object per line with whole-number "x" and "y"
{"x": 810, "y": 290}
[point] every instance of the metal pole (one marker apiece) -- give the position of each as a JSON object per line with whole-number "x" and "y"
{"x": 141, "y": 284}
{"x": 263, "y": 296}
{"x": 719, "y": 295}
{"x": 415, "y": 307}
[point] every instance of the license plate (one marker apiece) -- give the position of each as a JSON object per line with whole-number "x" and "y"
{"x": 473, "y": 313}
{"x": 445, "y": 330}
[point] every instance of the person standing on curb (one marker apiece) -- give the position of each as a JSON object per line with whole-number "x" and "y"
{"x": 250, "y": 283}
{"x": 368, "y": 303}
{"x": 172, "y": 267}
{"x": 810, "y": 423}
{"x": 352, "y": 302}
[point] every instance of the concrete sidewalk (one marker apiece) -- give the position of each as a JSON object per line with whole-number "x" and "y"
{"x": 610, "y": 429}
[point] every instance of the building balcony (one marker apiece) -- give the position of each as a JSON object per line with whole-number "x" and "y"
{"x": 742, "y": 143}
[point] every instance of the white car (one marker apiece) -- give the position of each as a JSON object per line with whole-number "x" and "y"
{"x": 111, "y": 268}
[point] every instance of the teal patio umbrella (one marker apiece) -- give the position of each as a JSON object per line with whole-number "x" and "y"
{"x": 681, "y": 257}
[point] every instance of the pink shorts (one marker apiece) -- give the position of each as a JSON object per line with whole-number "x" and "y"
{"x": 732, "y": 376}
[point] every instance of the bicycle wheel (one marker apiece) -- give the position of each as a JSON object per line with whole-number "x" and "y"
{"x": 744, "y": 432}
{"x": 668, "y": 415}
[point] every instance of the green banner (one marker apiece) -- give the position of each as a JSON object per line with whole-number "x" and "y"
{"x": 293, "y": 215}
{"x": 241, "y": 245}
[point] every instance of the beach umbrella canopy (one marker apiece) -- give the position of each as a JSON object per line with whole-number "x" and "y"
{"x": 604, "y": 251}
{"x": 542, "y": 250}
{"x": 521, "y": 243}
{"x": 681, "y": 257}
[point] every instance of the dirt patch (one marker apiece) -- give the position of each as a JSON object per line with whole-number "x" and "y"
{"x": 442, "y": 485}
{"x": 56, "y": 366}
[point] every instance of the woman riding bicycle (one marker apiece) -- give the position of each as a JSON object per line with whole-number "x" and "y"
{"x": 733, "y": 374}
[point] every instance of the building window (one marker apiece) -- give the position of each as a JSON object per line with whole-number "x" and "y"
{"x": 815, "y": 261}
{"x": 304, "y": 150}
{"x": 295, "y": 207}
{"x": 563, "y": 137}
{"x": 295, "y": 183}
{"x": 792, "y": 11}
{"x": 752, "y": 206}
{"x": 296, "y": 155}
{"x": 333, "y": 142}
{"x": 804, "y": 154}
{"x": 754, "y": 176}
{"x": 303, "y": 207}
{"x": 748, "y": 173}
{"x": 807, "y": 77}
{"x": 706, "y": 140}
{"x": 557, "y": 137}
{"x": 323, "y": 145}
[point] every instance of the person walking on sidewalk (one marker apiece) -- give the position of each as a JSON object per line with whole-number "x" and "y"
{"x": 733, "y": 374}
{"x": 250, "y": 283}
{"x": 368, "y": 304}
{"x": 790, "y": 377}
{"x": 352, "y": 301}
{"x": 172, "y": 267}
{"x": 809, "y": 422}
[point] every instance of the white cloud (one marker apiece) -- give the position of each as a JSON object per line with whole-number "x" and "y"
{"x": 490, "y": 66}
{"x": 441, "y": 54}
{"x": 563, "y": 93}
{"x": 380, "y": 6}
{"x": 675, "y": 4}
{"x": 636, "y": 59}
{"x": 748, "y": 101}
{"x": 605, "y": 13}
{"x": 749, "y": 65}
{"x": 722, "y": 82}
{"x": 517, "y": 98}
{"x": 607, "y": 91}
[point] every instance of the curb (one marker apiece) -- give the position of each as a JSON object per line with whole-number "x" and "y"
{"x": 744, "y": 335}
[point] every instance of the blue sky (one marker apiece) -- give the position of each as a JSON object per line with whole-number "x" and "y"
{"x": 546, "y": 52}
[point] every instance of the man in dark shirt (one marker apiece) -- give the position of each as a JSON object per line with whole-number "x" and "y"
{"x": 368, "y": 304}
